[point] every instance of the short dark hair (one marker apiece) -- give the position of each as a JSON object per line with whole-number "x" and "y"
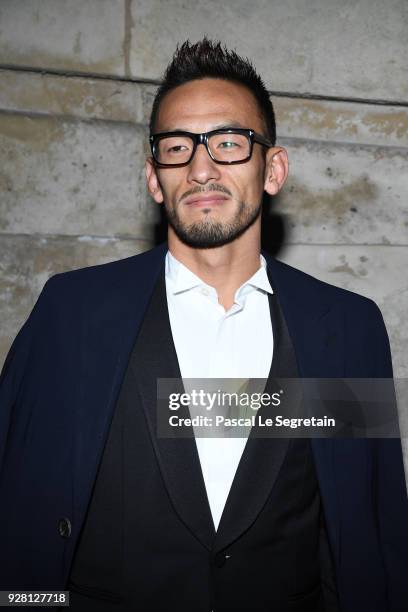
{"x": 208, "y": 59}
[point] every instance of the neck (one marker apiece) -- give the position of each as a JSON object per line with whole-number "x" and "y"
{"x": 225, "y": 268}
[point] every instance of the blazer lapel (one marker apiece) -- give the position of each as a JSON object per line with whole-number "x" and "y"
{"x": 312, "y": 319}
{"x": 314, "y": 323}
{"x": 111, "y": 318}
{"x": 306, "y": 344}
{"x": 262, "y": 458}
{"x": 177, "y": 457}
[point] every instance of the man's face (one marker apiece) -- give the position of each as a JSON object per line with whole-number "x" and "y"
{"x": 233, "y": 193}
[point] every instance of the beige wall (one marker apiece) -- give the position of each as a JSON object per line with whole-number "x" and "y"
{"x": 76, "y": 85}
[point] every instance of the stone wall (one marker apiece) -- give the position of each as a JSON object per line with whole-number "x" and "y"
{"x": 77, "y": 80}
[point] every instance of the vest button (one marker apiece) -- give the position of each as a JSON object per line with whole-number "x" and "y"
{"x": 64, "y": 527}
{"x": 219, "y": 559}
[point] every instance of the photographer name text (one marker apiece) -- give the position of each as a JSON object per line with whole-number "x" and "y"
{"x": 251, "y": 421}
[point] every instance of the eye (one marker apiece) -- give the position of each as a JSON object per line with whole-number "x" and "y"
{"x": 227, "y": 144}
{"x": 176, "y": 148}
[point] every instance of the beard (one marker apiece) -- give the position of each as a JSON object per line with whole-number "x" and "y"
{"x": 208, "y": 234}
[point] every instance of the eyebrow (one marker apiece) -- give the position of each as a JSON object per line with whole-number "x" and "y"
{"x": 220, "y": 126}
{"x": 230, "y": 124}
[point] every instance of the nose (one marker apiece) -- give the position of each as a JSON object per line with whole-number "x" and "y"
{"x": 202, "y": 168}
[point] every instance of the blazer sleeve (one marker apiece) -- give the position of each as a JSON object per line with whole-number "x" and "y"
{"x": 15, "y": 366}
{"x": 391, "y": 492}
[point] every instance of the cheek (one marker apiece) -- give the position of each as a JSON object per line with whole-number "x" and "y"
{"x": 170, "y": 186}
{"x": 249, "y": 185}
{"x": 174, "y": 184}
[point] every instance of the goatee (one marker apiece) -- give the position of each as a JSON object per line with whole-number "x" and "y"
{"x": 209, "y": 234}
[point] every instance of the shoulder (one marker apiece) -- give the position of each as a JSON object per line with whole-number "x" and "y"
{"x": 108, "y": 275}
{"x": 91, "y": 287}
{"x": 302, "y": 285}
{"x": 67, "y": 296}
{"x": 358, "y": 317}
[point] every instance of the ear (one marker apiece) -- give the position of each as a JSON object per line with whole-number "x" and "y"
{"x": 152, "y": 180}
{"x": 276, "y": 169}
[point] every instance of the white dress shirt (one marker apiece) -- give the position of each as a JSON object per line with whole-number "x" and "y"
{"x": 211, "y": 342}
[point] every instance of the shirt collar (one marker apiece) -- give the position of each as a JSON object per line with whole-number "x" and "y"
{"x": 182, "y": 278}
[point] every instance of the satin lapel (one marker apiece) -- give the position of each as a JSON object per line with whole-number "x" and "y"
{"x": 178, "y": 457}
{"x": 316, "y": 327}
{"x": 308, "y": 342}
{"x": 262, "y": 458}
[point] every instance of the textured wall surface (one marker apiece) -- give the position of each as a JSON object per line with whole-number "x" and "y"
{"x": 76, "y": 84}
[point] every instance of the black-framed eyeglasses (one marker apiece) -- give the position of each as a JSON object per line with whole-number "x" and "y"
{"x": 224, "y": 146}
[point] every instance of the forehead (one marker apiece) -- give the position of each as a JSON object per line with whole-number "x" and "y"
{"x": 203, "y": 104}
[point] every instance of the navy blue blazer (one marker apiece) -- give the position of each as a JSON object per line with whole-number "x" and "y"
{"x": 60, "y": 384}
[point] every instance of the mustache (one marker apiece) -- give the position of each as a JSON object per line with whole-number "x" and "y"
{"x": 210, "y": 188}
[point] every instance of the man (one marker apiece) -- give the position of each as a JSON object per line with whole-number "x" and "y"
{"x": 94, "y": 501}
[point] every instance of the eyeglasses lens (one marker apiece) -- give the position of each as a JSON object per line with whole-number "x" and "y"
{"x": 224, "y": 147}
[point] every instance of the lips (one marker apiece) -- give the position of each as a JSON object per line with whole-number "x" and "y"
{"x": 205, "y": 201}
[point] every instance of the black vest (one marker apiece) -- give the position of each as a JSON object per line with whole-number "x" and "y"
{"x": 148, "y": 541}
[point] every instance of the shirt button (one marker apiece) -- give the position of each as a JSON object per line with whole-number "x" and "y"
{"x": 205, "y": 291}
